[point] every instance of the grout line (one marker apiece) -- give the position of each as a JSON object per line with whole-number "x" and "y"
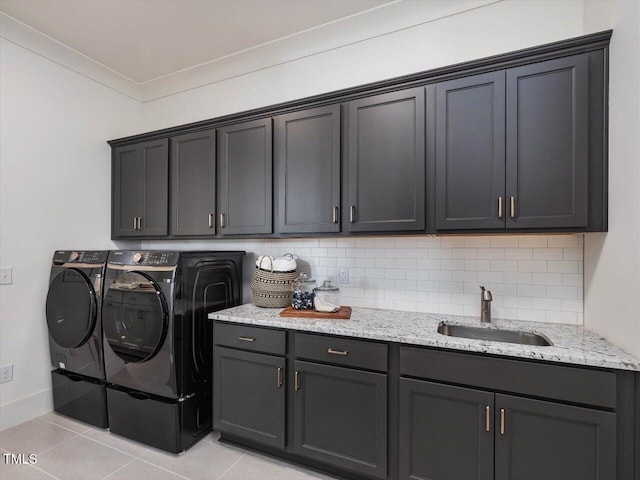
{"x": 45, "y": 472}
{"x": 162, "y": 468}
{"x": 118, "y": 469}
{"x": 62, "y": 426}
{"x": 233, "y": 465}
{"x": 110, "y": 446}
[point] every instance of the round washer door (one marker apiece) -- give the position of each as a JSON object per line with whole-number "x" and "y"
{"x": 134, "y": 317}
{"x": 71, "y": 308}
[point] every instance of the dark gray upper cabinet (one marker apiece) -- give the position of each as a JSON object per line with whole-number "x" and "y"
{"x": 140, "y": 177}
{"x": 470, "y": 159}
{"x": 512, "y": 148}
{"x": 249, "y": 396}
{"x": 446, "y": 432}
{"x": 547, "y": 143}
{"x": 193, "y": 184}
{"x": 245, "y": 171}
{"x": 341, "y": 417}
{"x": 385, "y": 163}
{"x": 547, "y": 440}
{"x": 307, "y": 149}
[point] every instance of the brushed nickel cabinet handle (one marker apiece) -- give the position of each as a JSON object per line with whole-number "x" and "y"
{"x": 337, "y": 352}
{"x": 135, "y": 223}
{"x": 222, "y": 220}
{"x": 211, "y": 220}
{"x": 488, "y": 418}
{"x": 352, "y": 213}
{"x": 499, "y": 207}
{"x": 279, "y": 377}
{"x": 335, "y": 214}
{"x": 512, "y": 205}
{"x": 502, "y": 421}
{"x": 246, "y": 339}
{"x": 139, "y": 223}
{"x": 296, "y": 383}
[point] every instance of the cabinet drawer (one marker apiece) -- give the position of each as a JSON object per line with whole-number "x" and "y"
{"x": 571, "y": 384}
{"x": 342, "y": 351}
{"x": 250, "y": 338}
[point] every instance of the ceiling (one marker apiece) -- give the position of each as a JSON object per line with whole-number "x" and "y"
{"x": 147, "y": 39}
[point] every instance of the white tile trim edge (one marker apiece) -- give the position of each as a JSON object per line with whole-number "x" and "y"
{"x": 26, "y": 408}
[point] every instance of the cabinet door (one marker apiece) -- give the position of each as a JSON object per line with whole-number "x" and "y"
{"x": 193, "y": 184}
{"x": 249, "y": 396}
{"x": 154, "y": 158}
{"x": 245, "y": 170}
{"x": 552, "y": 441}
{"x": 386, "y": 163}
{"x": 446, "y": 433}
{"x": 308, "y": 166}
{"x": 547, "y": 143}
{"x": 341, "y": 417}
{"x": 470, "y": 168}
{"x": 126, "y": 194}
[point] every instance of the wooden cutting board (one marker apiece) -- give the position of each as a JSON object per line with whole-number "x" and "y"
{"x": 343, "y": 314}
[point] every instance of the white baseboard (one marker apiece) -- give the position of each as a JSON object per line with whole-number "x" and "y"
{"x": 25, "y": 409}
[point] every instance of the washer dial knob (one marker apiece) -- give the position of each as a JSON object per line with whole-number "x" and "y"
{"x": 74, "y": 256}
{"x": 136, "y": 257}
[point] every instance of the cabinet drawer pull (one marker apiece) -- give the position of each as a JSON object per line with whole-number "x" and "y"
{"x": 512, "y": 205}
{"x": 337, "y": 352}
{"x": 502, "y": 421}
{"x": 296, "y": 383}
{"x": 279, "y": 377}
{"x": 246, "y": 339}
{"x": 352, "y": 213}
{"x": 335, "y": 214}
{"x": 211, "y": 220}
{"x": 135, "y": 223}
{"x": 488, "y": 418}
{"x": 499, "y": 207}
{"x": 222, "y": 220}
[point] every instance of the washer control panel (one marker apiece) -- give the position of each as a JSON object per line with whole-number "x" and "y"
{"x": 80, "y": 256}
{"x": 144, "y": 257}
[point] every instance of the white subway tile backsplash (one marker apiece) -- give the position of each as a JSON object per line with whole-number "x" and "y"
{"x": 547, "y": 254}
{"x": 532, "y": 241}
{"x": 532, "y": 277}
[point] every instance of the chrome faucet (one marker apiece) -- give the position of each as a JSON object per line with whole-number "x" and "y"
{"x": 485, "y": 307}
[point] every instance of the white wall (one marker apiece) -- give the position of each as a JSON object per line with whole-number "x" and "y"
{"x": 54, "y": 194}
{"x": 612, "y": 260}
{"x": 496, "y": 28}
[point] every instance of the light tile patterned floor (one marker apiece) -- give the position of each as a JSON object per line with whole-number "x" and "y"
{"x": 70, "y": 450}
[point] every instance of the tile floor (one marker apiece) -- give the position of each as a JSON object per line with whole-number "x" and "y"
{"x": 70, "y": 450}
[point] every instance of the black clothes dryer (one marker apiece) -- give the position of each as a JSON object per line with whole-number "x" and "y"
{"x": 159, "y": 341}
{"x": 73, "y": 308}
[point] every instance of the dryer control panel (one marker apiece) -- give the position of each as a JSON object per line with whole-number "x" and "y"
{"x": 144, "y": 257}
{"x": 80, "y": 256}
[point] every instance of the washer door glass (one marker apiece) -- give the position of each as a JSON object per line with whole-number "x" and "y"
{"x": 134, "y": 317}
{"x": 71, "y": 308}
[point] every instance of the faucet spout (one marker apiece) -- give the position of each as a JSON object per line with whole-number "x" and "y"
{"x": 485, "y": 305}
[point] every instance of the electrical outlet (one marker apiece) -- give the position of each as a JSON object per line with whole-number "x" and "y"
{"x": 6, "y": 373}
{"x": 6, "y": 276}
{"x": 343, "y": 278}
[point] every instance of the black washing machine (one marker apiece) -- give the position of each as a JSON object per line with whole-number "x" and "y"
{"x": 73, "y": 312}
{"x": 159, "y": 341}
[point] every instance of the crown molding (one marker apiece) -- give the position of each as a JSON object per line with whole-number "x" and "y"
{"x": 37, "y": 42}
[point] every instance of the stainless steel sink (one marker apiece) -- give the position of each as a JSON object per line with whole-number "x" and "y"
{"x": 494, "y": 334}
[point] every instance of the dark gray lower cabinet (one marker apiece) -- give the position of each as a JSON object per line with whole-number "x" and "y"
{"x": 249, "y": 396}
{"x": 552, "y": 441}
{"x": 341, "y": 417}
{"x": 446, "y": 433}
{"x": 449, "y": 433}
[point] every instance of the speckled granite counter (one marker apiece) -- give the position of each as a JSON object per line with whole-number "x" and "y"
{"x": 571, "y": 344}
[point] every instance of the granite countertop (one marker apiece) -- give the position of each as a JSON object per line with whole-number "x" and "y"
{"x": 571, "y": 344}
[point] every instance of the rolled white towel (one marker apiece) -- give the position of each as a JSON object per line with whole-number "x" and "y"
{"x": 286, "y": 263}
